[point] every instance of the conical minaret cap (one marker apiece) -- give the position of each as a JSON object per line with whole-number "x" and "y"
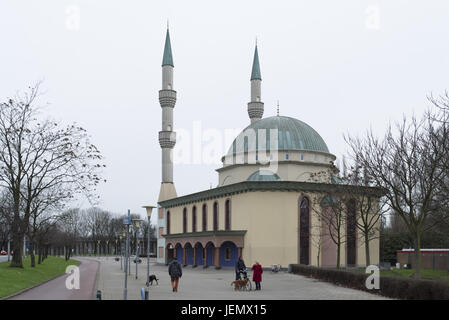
{"x": 255, "y": 73}
{"x": 167, "y": 60}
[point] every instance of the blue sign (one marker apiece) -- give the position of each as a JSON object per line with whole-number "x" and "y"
{"x": 127, "y": 220}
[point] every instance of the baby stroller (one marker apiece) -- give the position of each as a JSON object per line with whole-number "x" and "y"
{"x": 243, "y": 275}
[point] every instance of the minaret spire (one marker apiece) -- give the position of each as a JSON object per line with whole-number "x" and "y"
{"x": 167, "y": 59}
{"x": 167, "y": 137}
{"x": 255, "y": 107}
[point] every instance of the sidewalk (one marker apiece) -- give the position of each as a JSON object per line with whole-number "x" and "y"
{"x": 201, "y": 284}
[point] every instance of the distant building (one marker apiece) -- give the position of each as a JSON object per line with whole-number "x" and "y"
{"x": 435, "y": 259}
{"x": 258, "y": 210}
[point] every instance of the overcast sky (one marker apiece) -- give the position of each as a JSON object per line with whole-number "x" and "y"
{"x": 340, "y": 66}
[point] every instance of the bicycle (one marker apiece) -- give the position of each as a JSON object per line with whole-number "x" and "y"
{"x": 275, "y": 268}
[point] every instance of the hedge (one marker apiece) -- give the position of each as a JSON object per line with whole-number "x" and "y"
{"x": 392, "y": 287}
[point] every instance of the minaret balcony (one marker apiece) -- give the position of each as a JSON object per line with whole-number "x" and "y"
{"x": 167, "y": 98}
{"x": 255, "y": 109}
{"x": 167, "y": 139}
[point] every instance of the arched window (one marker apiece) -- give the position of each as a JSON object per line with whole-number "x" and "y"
{"x": 168, "y": 222}
{"x": 194, "y": 219}
{"x": 228, "y": 215}
{"x": 304, "y": 234}
{"x": 184, "y": 220}
{"x": 215, "y": 216}
{"x": 204, "y": 217}
{"x": 351, "y": 234}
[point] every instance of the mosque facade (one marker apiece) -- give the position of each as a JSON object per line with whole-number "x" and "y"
{"x": 263, "y": 206}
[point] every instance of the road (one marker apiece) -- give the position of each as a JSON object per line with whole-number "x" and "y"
{"x": 56, "y": 289}
{"x": 199, "y": 284}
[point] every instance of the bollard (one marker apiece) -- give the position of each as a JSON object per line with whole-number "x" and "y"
{"x": 147, "y": 293}
{"x": 98, "y": 294}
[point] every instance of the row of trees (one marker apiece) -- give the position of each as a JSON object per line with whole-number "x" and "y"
{"x": 43, "y": 166}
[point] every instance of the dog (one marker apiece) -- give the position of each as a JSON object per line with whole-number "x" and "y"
{"x": 153, "y": 278}
{"x": 239, "y": 284}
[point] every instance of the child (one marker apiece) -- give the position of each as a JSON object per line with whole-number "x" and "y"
{"x": 257, "y": 274}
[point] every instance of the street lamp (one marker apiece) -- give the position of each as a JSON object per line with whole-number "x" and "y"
{"x": 122, "y": 236}
{"x": 137, "y": 225}
{"x": 149, "y": 212}
{"x": 126, "y": 222}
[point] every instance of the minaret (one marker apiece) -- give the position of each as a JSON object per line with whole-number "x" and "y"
{"x": 255, "y": 107}
{"x": 167, "y": 137}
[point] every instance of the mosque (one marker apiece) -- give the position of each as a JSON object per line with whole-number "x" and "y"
{"x": 261, "y": 208}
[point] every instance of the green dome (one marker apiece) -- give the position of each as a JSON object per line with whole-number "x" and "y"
{"x": 293, "y": 134}
{"x": 263, "y": 175}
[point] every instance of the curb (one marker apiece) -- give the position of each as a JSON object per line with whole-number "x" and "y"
{"x": 97, "y": 276}
{"x": 34, "y": 286}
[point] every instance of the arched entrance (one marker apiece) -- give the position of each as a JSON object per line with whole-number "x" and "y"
{"x": 228, "y": 254}
{"x": 189, "y": 254}
{"x": 199, "y": 252}
{"x": 179, "y": 253}
{"x": 304, "y": 231}
{"x": 210, "y": 254}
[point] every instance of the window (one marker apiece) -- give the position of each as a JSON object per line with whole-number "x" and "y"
{"x": 228, "y": 215}
{"x": 194, "y": 219}
{"x": 184, "y": 220}
{"x": 204, "y": 217}
{"x": 161, "y": 252}
{"x": 304, "y": 237}
{"x": 301, "y": 156}
{"x": 161, "y": 231}
{"x": 168, "y": 222}
{"x": 286, "y": 156}
{"x": 228, "y": 253}
{"x": 351, "y": 233}
{"x": 161, "y": 213}
{"x": 215, "y": 216}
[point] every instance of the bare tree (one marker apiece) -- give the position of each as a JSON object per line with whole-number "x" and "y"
{"x": 410, "y": 162}
{"x": 38, "y": 156}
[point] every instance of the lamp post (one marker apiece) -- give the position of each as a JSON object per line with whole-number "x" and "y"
{"x": 127, "y": 222}
{"x": 137, "y": 225}
{"x": 149, "y": 211}
{"x": 121, "y": 253}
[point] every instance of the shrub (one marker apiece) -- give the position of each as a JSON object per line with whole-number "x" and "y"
{"x": 393, "y": 287}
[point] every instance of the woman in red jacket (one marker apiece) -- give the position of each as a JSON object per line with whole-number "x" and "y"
{"x": 257, "y": 274}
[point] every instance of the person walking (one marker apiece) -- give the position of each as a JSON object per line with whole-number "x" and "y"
{"x": 175, "y": 272}
{"x": 240, "y": 268}
{"x": 257, "y": 274}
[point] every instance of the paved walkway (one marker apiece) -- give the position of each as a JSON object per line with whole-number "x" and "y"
{"x": 200, "y": 284}
{"x": 56, "y": 289}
